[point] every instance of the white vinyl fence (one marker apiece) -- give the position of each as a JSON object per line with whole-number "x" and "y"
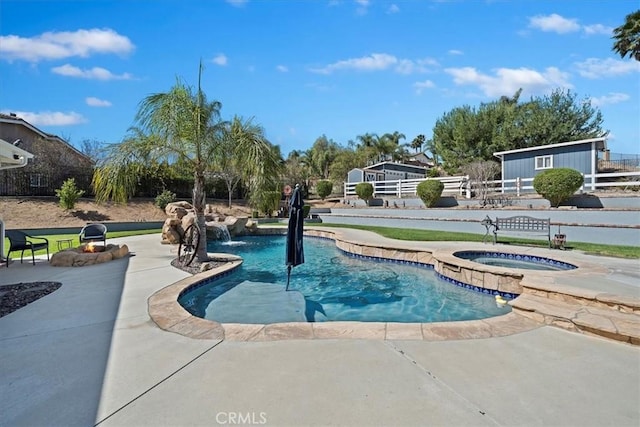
{"x": 463, "y": 186}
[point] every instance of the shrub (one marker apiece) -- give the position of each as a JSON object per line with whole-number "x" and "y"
{"x": 430, "y": 191}
{"x": 269, "y": 201}
{"x": 433, "y": 173}
{"x": 306, "y": 209}
{"x": 557, "y": 185}
{"x": 324, "y": 188}
{"x": 364, "y": 190}
{"x": 164, "y": 198}
{"x": 69, "y": 194}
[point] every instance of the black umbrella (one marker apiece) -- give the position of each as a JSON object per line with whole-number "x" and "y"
{"x": 295, "y": 251}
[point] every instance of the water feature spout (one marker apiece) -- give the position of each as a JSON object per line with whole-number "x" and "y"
{"x": 221, "y": 232}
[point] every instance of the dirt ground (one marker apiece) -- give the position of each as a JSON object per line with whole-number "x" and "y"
{"x": 25, "y": 213}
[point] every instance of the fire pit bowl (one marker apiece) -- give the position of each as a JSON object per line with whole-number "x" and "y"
{"x": 88, "y": 255}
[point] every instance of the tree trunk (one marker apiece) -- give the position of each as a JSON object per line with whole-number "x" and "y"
{"x": 198, "y": 206}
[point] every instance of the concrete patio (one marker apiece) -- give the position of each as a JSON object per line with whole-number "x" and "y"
{"x": 89, "y": 354}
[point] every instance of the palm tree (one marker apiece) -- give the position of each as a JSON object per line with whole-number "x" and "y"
{"x": 181, "y": 126}
{"x": 627, "y": 37}
{"x": 395, "y": 137}
{"x": 418, "y": 142}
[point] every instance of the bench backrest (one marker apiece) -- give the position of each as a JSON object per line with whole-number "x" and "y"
{"x": 523, "y": 223}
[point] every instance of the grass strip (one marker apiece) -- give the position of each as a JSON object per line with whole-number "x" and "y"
{"x": 411, "y": 234}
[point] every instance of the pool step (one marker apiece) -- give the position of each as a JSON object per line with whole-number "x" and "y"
{"x": 607, "y": 322}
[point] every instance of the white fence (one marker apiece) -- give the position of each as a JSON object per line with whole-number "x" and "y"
{"x": 462, "y": 186}
{"x": 453, "y": 185}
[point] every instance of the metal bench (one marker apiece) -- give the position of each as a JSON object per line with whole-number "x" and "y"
{"x": 522, "y": 225}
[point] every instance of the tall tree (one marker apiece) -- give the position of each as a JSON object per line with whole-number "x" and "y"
{"x": 418, "y": 142}
{"x": 467, "y": 134}
{"x": 182, "y": 126}
{"x": 627, "y": 37}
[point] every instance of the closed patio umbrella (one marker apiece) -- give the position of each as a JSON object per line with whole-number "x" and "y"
{"x": 295, "y": 251}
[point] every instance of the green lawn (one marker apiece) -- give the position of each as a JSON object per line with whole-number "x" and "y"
{"x": 54, "y": 238}
{"x": 619, "y": 251}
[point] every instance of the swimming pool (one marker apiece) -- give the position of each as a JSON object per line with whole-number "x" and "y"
{"x": 339, "y": 287}
{"x": 510, "y": 260}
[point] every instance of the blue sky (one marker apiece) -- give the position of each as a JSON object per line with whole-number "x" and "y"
{"x": 302, "y": 69}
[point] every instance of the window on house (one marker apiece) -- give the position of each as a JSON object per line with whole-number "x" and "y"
{"x": 544, "y": 162}
{"x": 37, "y": 180}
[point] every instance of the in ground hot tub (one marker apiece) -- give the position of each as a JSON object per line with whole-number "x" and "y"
{"x": 508, "y": 260}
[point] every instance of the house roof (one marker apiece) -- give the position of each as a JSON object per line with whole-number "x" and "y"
{"x": 601, "y": 144}
{"x": 421, "y": 168}
{"x": 12, "y": 118}
{"x": 12, "y": 156}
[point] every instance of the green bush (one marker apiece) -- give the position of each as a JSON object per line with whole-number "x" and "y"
{"x": 430, "y": 191}
{"x": 557, "y": 185}
{"x": 433, "y": 173}
{"x": 364, "y": 190}
{"x": 69, "y": 194}
{"x": 269, "y": 201}
{"x": 324, "y": 188}
{"x": 305, "y": 211}
{"x": 164, "y": 198}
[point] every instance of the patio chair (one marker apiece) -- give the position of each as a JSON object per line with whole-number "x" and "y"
{"x": 21, "y": 241}
{"x": 93, "y": 232}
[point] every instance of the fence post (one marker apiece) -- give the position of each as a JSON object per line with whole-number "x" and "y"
{"x": 518, "y": 186}
{"x": 399, "y": 189}
{"x": 344, "y": 190}
{"x": 468, "y": 187}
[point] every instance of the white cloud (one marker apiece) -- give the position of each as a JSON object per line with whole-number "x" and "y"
{"x": 455, "y": 52}
{"x": 420, "y": 86}
{"x": 282, "y": 69}
{"x": 597, "y": 29}
{"x": 507, "y": 81}
{"x": 220, "y": 59}
{"x": 594, "y": 68}
{"x": 237, "y": 3}
{"x": 408, "y": 66}
{"x": 557, "y": 24}
{"x": 66, "y": 44}
{"x": 50, "y": 118}
{"x": 611, "y": 98}
{"x": 378, "y": 62}
{"x": 95, "y": 73}
{"x": 554, "y": 23}
{"x": 373, "y": 62}
{"x": 393, "y": 9}
{"x": 363, "y": 6}
{"x": 97, "y": 102}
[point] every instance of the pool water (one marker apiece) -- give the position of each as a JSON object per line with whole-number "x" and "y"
{"x": 508, "y": 260}
{"x": 338, "y": 287}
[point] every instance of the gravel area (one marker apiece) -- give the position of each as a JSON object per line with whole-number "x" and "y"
{"x": 13, "y": 297}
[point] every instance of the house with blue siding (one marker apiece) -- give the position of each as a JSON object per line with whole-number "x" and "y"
{"x": 386, "y": 171}
{"x": 519, "y": 167}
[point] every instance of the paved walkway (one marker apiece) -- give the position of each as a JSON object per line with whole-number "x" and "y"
{"x": 89, "y": 354}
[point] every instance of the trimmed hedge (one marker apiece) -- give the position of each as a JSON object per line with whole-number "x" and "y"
{"x": 324, "y": 188}
{"x": 557, "y": 185}
{"x": 364, "y": 190}
{"x": 430, "y": 191}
